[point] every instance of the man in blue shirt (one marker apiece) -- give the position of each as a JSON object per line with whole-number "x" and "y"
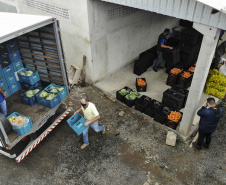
{"x": 3, "y": 108}
{"x": 160, "y": 45}
{"x": 210, "y": 116}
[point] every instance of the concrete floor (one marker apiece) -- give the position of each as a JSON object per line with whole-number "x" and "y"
{"x": 156, "y": 83}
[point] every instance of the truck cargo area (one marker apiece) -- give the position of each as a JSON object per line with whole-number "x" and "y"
{"x": 14, "y": 104}
{"x": 38, "y": 48}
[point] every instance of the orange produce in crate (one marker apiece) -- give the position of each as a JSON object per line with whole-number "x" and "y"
{"x": 175, "y": 71}
{"x": 191, "y": 69}
{"x": 186, "y": 74}
{"x": 141, "y": 82}
{"x": 175, "y": 116}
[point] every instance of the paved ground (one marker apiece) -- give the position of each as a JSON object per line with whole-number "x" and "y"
{"x": 132, "y": 152}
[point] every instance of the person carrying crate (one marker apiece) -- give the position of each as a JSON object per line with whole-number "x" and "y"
{"x": 92, "y": 116}
{"x": 3, "y": 107}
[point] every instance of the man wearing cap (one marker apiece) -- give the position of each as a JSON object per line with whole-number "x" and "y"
{"x": 3, "y": 108}
{"x": 160, "y": 45}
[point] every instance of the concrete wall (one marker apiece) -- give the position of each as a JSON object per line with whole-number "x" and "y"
{"x": 5, "y": 7}
{"x": 117, "y": 42}
{"x": 74, "y": 32}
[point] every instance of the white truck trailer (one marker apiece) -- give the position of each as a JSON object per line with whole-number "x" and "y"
{"x": 39, "y": 43}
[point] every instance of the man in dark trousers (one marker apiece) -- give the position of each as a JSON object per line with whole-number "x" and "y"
{"x": 220, "y": 51}
{"x": 160, "y": 45}
{"x": 210, "y": 116}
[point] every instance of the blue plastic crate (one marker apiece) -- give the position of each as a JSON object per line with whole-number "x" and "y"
{"x": 24, "y": 128}
{"x": 3, "y": 48}
{"x": 4, "y": 64}
{"x": 14, "y": 57}
{"x": 1, "y": 73}
{"x": 63, "y": 94}
{"x": 77, "y": 122}
{"x": 4, "y": 60}
{"x": 48, "y": 103}
{"x": 29, "y": 79}
{"x": 4, "y": 87}
{"x": 11, "y": 47}
{"x": 29, "y": 101}
{"x": 27, "y": 86}
{"x": 17, "y": 65}
{"x": 8, "y": 93}
{"x": 3, "y": 84}
{"x": 8, "y": 71}
{"x": 11, "y": 79}
{"x": 14, "y": 87}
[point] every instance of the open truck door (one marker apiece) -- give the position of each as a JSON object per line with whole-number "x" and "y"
{"x": 39, "y": 42}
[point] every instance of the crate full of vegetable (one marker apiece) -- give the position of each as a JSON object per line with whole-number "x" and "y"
{"x": 141, "y": 85}
{"x": 185, "y": 79}
{"x": 29, "y": 97}
{"x": 57, "y": 89}
{"x": 131, "y": 98}
{"x": 120, "y": 95}
{"x": 173, "y": 76}
{"x": 173, "y": 119}
{"x": 28, "y": 76}
{"x": 21, "y": 124}
{"x": 50, "y": 100}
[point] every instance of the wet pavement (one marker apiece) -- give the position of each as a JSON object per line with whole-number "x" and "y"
{"x": 133, "y": 152}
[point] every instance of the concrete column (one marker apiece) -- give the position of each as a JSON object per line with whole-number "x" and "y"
{"x": 206, "y": 54}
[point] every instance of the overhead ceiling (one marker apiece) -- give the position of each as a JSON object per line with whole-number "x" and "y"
{"x": 199, "y": 11}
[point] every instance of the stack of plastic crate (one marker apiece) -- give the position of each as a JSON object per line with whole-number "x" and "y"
{"x": 9, "y": 54}
{"x": 10, "y": 79}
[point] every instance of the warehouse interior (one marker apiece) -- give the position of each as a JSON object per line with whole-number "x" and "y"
{"x": 156, "y": 82}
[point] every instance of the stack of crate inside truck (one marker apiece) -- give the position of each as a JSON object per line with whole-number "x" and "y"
{"x": 10, "y": 63}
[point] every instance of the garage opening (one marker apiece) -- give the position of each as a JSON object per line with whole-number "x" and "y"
{"x": 161, "y": 95}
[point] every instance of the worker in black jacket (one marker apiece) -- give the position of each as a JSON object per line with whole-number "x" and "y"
{"x": 210, "y": 116}
{"x": 160, "y": 45}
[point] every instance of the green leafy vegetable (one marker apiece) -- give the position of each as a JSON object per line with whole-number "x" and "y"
{"x": 36, "y": 91}
{"x": 51, "y": 96}
{"x": 133, "y": 95}
{"x": 123, "y": 92}
{"x": 43, "y": 94}
{"x": 23, "y": 74}
{"x": 29, "y": 93}
{"x": 54, "y": 91}
{"x": 28, "y": 73}
{"x": 60, "y": 89}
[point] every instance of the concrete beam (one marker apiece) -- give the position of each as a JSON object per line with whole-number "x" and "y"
{"x": 206, "y": 54}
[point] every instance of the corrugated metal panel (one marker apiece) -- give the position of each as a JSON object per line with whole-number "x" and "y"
{"x": 191, "y": 10}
